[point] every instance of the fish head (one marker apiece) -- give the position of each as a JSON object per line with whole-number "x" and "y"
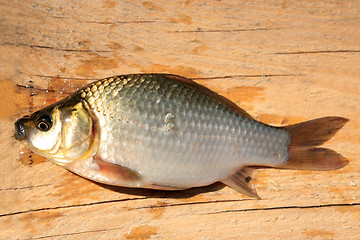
{"x": 62, "y": 132}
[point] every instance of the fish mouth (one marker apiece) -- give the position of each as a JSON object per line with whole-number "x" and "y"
{"x": 20, "y": 133}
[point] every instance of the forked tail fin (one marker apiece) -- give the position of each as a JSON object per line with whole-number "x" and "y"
{"x": 305, "y": 136}
{"x": 302, "y": 152}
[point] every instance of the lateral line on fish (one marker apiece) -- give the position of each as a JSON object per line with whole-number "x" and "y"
{"x": 286, "y": 207}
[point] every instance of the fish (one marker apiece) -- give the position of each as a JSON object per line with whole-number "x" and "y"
{"x": 167, "y": 132}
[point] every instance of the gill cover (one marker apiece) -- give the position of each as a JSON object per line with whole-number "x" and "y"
{"x": 62, "y": 132}
{"x": 79, "y": 134}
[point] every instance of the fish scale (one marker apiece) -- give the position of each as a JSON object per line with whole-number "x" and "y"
{"x": 203, "y": 131}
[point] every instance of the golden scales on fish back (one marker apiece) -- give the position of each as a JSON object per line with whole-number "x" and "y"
{"x": 167, "y": 132}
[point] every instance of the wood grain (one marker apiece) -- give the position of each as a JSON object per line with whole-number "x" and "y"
{"x": 282, "y": 61}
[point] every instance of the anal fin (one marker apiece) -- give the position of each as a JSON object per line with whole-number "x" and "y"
{"x": 240, "y": 182}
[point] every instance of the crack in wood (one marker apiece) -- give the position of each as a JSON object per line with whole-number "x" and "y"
{"x": 286, "y": 207}
{"x": 191, "y": 203}
{"x": 35, "y": 88}
{"x": 26, "y": 187}
{"x": 53, "y": 48}
{"x": 65, "y": 78}
{"x": 121, "y": 22}
{"x": 183, "y": 204}
{"x": 71, "y": 206}
{"x": 227, "y": 211}
{"x": 199, "y": 30}
{"x": 247, "y": 76}
{"x": 75, "y": 233}
{"x": 319, "y": 51}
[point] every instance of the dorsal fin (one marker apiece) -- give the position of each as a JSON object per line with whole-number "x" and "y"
{"x": 205, "y": 90}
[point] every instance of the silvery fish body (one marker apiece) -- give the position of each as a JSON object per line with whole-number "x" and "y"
{"x": 175, "y": 136}
{"x": 168, "y": 132}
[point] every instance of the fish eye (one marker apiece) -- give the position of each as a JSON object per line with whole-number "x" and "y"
{"x": 44, "y": 123}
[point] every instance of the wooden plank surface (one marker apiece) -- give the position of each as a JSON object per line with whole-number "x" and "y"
{"x": 282, "y": 61}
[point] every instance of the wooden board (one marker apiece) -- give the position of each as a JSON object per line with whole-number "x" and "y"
{"x": 282, "y": 61}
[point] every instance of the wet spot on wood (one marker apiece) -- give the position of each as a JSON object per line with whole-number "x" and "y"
{"x": 158, "y": 211}
{"x": 195, "y": 41}
{"x": 260, "y": 179}
{"x": 29, "y": 158}
{"x": 181, "y": 19}
{"x": 342, "y": 192}
{"x": 353, "y": 210}
{"x": 62, "y": 70}
{"x": 138, "y": 48}
{"x": 33, "y": 219}
{"x": 245, "y": 94}
{"x": 89, "y": 67}
{"x": 112, "y": 28}
{"x": 257, "y": 205}
{"x": 56, "y": 90}
{"x": 84, "y": 44}
{"x": 11, "y": 99}
{"x": 200, "y": 49}
{"x": 109, "y": 4}
{"x": 74, "y": 189}
{"x": 152, "y": 6}
{"x": 141, "y": 232}
{"x": 63, "y": 87}
{"x": 37, "y": 97}
{"x": 196, "y": 198}
{"x": 278, "y": 119}
{"x": 115, "y": 46}
{"x": 319, "y": 233}
{"x": 173, "y": 69}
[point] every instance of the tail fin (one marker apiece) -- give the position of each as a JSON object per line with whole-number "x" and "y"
{"x": 305, "y": 136}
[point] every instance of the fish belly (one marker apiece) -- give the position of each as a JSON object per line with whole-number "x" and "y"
{"x": 174, "y": 135}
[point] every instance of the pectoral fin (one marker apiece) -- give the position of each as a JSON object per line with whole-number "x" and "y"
{"x": 240, "y": 182}
{"x": 101, "y": 171}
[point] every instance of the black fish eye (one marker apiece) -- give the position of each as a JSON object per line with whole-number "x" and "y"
{"x": 44, "y": 123}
